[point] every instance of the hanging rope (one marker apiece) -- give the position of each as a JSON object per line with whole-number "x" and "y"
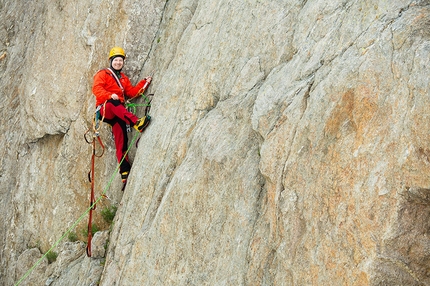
{"x": 96, "y": 127}
{"x": 92, "y": 199}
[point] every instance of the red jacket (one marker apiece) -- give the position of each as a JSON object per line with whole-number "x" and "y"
{"x": 105, "y": 85}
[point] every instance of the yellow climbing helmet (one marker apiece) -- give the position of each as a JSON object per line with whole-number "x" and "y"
{"x": 116, "y": 51}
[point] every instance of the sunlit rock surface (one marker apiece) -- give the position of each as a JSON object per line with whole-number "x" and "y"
{"x": 289, "y": 143}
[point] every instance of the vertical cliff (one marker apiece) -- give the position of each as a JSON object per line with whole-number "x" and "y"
{"x": 289, "y": 142}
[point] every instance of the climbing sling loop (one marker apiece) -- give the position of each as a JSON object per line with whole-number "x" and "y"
{"x": 96, "y": 135}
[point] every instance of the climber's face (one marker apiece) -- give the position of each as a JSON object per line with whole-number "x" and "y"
{"x": 118, "y": 63}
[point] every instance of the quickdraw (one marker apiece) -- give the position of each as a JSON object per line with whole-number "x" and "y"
{"x": 96, "y": 126}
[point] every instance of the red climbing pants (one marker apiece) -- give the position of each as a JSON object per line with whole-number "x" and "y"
{"x": 119, "y": 117}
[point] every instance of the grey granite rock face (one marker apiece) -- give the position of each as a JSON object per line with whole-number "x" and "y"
{"x": 288, "y": 146}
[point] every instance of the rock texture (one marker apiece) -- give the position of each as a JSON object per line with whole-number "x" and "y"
{"x": 289, "y": 142}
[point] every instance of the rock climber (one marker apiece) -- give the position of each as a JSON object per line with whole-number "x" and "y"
{"x": 111, "y": 87}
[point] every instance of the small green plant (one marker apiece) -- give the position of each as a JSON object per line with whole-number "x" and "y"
{"x": 108, "y": 213}
{"x": 106, "y": 246}
{"x": 72, "y": 236}
{"x": 51, "y": 256}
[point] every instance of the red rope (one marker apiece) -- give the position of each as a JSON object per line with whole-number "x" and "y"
{"x": 92, "y": 199}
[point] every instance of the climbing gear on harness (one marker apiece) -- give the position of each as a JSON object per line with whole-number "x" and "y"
{"x": 97, "y": 120}
{"x": 116, "y": 51}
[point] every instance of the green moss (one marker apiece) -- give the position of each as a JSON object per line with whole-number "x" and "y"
{"x": 72, "y": 236}
{"x": 51, "y": 256}
{"x": 108, "y": 213}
